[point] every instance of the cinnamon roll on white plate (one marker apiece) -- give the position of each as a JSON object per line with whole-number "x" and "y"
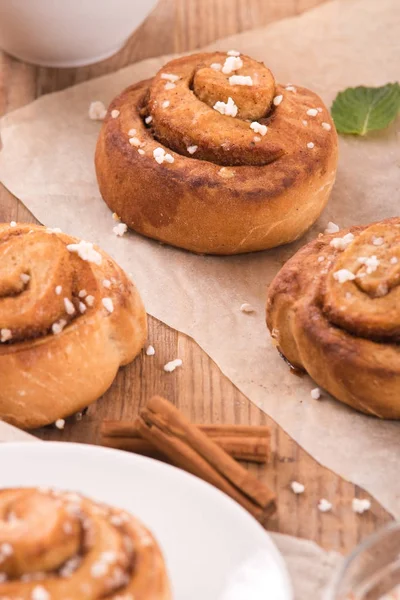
{"x": 78, "y": 548}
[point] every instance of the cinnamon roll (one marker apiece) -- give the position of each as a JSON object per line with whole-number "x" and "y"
{"x": 334, "y": 311}
{"x": 212, "y": 155}
{"x": 69, "y": 317}
{"x": 59, "y": 545}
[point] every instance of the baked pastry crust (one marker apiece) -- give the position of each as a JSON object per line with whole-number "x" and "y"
{"x": 333, "y": 310}
{"x": 63, "y": 545}
{"x": 66, "y": 324}
{"x": 229, "y": 188}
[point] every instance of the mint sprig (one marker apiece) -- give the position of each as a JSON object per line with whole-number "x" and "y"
{"x": 362, "y": 109}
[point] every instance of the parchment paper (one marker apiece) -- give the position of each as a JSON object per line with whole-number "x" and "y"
{"x": 47, "y": 161}
{"x": 311, "y": 569}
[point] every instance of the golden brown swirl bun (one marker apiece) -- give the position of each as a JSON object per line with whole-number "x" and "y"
{"x": 61, "y": 546}
{"x": 334, "y": 310}
{"x": 69, "y": 318}
{"x": 200, "y": 159}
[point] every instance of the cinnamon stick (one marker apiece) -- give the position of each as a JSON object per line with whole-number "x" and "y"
{"x": 242, "y": 442}
{"x": 191, "y": 449}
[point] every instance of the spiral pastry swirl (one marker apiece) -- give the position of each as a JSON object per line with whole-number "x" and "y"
{"x": 334, "y": 310}
{"x": 214, "y": 156}
{"x": 69, "y": 317}
{"x": 59, "y": 545}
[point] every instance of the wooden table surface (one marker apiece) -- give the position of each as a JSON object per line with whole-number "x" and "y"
{"x": 198, "y": 388}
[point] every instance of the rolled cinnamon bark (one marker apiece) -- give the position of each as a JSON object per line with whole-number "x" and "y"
{"x": 189, "y": 448}
{"x": 242, "y": 442}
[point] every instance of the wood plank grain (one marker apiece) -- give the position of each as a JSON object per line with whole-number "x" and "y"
{"x": 198, "y": 388}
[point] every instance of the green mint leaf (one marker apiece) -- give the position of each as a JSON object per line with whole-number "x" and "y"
{"x": 362, "y": 109}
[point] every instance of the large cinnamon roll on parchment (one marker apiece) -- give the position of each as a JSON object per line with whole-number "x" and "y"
{"x": 61, "y": 546}
{"x": 334, "y": 310}
{"x": 214, "y": 156}
{"x": 69, "y": 318}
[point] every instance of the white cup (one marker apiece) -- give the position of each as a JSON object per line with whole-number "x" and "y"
{"x": 68, "y": 33}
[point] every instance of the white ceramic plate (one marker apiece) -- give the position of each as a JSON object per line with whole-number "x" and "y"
{"x": 213, "y": 548}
